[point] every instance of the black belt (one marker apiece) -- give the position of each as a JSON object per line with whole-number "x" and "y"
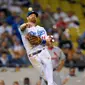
{"x": 30, "y": 55}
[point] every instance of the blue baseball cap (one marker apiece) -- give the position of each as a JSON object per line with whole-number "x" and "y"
{"x": 32, "y": 12}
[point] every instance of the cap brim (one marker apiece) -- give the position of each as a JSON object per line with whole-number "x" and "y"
{"x": 33, "y": 13}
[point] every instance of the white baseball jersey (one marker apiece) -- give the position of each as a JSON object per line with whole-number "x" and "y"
{"x": 57, "y": 55}
{"x": 43, "y": 57}
{"x": 37, "y": 31}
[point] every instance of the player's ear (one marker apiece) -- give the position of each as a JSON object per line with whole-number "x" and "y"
{"x": 27, "y": 18}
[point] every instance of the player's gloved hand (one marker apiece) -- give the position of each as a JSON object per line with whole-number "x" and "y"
{"x": 34, "y": 40}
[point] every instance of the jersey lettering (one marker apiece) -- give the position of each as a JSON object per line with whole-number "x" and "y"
{"x": 32, "y": 33}
{"x": 39, "y": 33}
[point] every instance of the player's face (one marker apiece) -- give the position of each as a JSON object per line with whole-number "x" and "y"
{"x": 32, "y": 18}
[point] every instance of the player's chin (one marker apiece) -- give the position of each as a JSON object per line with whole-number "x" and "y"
{"x": 33, "y": 20}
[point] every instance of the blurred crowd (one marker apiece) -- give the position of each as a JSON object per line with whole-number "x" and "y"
{"x": 12, "y": 52}
{"x": 26, "y": 81}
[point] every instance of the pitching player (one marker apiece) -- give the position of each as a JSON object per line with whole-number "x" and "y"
{"x": 35, "y": 40}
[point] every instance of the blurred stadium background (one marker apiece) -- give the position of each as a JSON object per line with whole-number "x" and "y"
{"x": 64, "y": 19}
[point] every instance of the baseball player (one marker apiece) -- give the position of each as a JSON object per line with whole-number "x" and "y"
{"x": 35, "y": 39}
{"x": 58, "y": 59}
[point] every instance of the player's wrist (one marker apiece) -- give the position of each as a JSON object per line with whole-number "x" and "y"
{"x": 43, "y": 42}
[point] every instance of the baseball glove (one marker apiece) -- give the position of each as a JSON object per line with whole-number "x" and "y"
{"x": 34, "y": 40}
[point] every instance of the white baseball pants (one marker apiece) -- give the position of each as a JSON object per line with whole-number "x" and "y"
{"x": 44, "y": 59}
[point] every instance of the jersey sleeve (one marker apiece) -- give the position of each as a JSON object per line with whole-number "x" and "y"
{"x": 61, "y": 54}
{"x": 22, "y": 32}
